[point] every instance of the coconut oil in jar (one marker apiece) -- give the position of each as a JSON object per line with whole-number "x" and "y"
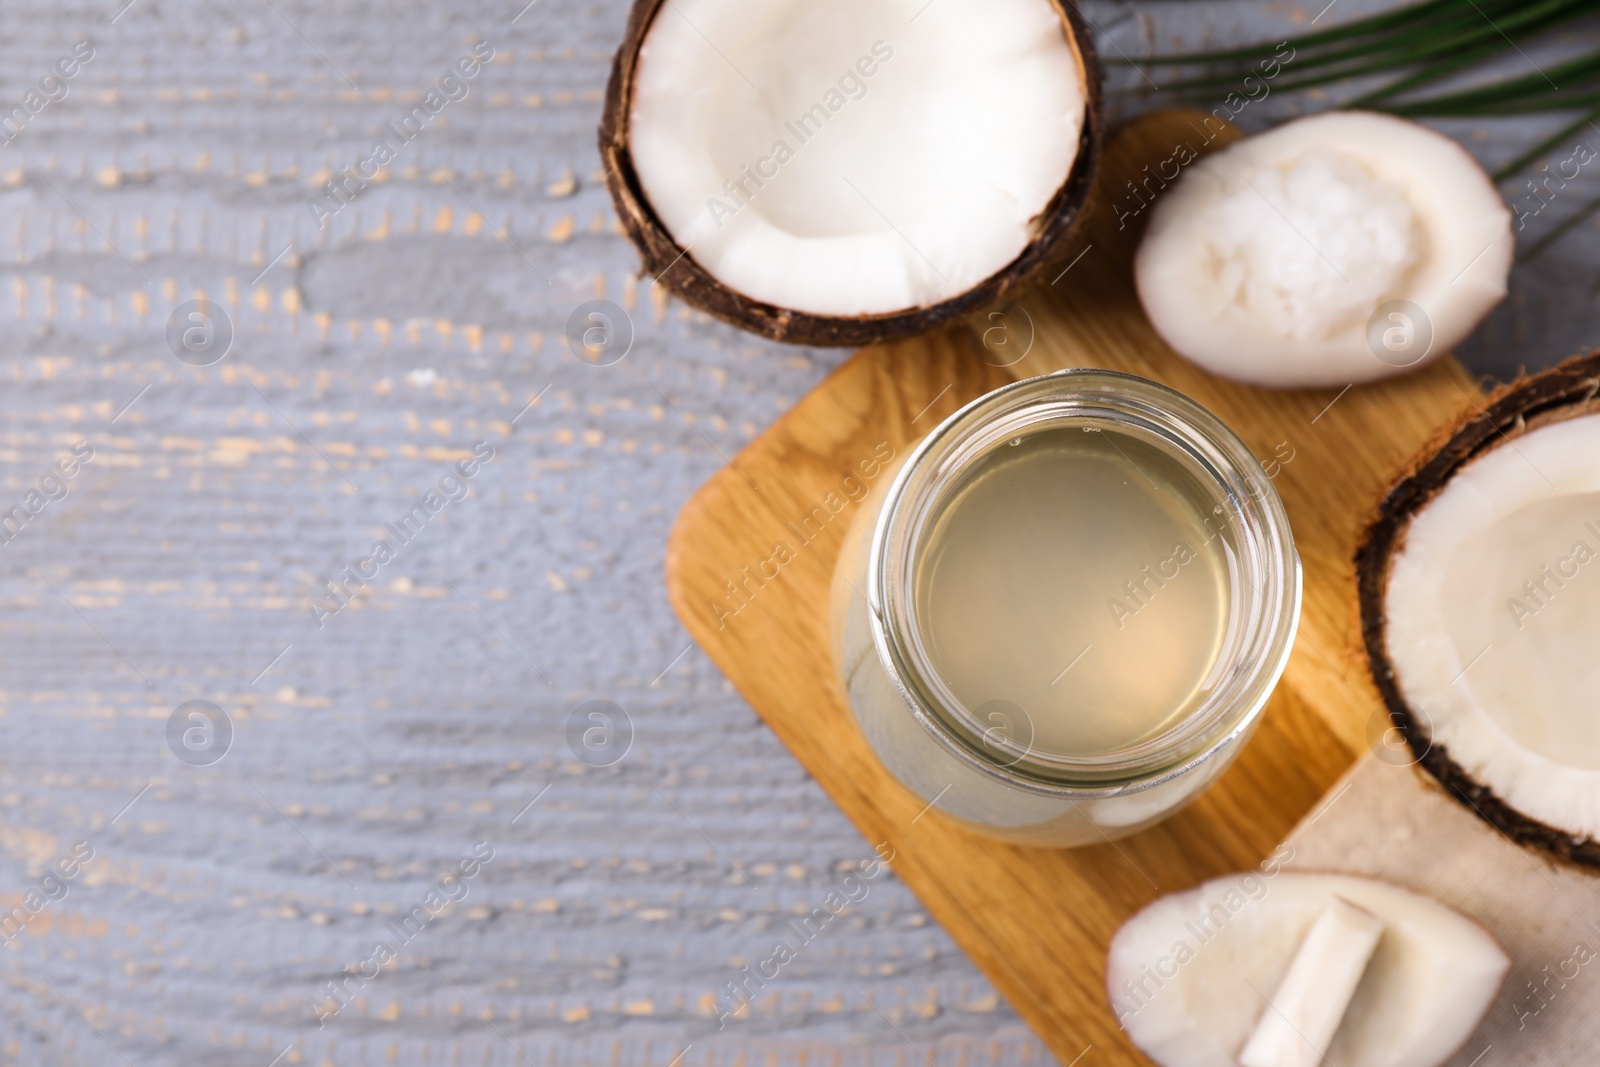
{"x": 1063, "y": 617}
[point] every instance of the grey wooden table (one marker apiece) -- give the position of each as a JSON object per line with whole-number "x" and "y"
{"x": 405, "y": 763}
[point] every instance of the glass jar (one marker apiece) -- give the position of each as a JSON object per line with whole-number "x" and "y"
{"x": 1062, "y": 618}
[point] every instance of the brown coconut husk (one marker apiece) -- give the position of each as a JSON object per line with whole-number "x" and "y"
{"x": 667, "y": 262}
{"x": 1562, "y": 392}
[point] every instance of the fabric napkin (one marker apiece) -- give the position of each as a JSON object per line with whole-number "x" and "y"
{"x": 1394, "y": 822}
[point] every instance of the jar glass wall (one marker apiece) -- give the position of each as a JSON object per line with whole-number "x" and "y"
{"x": 1063, "y": 616}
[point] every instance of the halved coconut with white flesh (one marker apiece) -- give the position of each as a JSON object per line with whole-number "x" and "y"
{"x": 1334, "y": 249}
{"x": 1479, "y": 585}
{"x": 839, "y": 172}
{"x": 1285, "y": 969}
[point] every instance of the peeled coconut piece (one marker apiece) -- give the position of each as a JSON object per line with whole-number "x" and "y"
{"x": 1334, "y": 249}
{"x": 1479, "y": 584}
{"x": 1298, "y": 1024}
{"x": 843, "y": 171}
{"x": 1195, "y": 975}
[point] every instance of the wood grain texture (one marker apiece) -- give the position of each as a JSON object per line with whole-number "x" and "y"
{"x": 372, "y": 754}
{"x": 1038, "y": 921}
{"x": 417, "y": 321}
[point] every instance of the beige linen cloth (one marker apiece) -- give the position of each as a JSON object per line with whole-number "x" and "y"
{"x": 1395, "y": 823}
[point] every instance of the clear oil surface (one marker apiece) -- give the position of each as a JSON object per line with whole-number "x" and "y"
{"x": 1073, "y": 591}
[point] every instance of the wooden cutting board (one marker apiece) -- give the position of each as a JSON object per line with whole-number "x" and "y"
{"x": 1038, "y": 921}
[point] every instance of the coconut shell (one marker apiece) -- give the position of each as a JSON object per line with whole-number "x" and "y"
{"x": 1562, "y": 392}
{"x": 667, "y": 263}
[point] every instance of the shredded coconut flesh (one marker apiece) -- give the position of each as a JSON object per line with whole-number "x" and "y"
{"x": 855, "y": 157}
{"x": 1277, "y": 240}
{"x": 1275, "y": 261}
{"x": 1492, "y": 607}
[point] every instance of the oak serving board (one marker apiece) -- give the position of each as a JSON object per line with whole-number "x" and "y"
{"x": 1038, "y": 921}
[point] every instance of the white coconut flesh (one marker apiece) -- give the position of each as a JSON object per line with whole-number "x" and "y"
{"x": 1276, "y": 260}
{"x": 855, "y": 157}
{"x": 1493, "y": 617}
{"x": 1309, "y": 1005}
{"x": 1195, "y": 975}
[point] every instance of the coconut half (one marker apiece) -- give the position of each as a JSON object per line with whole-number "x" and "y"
{"x": 1334, "y": 249}
{"x": 845, "y": 171}
{"x": 1282, "y": 969}
{"x": 1479, "y": 585}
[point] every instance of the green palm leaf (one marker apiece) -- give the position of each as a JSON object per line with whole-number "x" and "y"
{"x": 1417, "y": 47}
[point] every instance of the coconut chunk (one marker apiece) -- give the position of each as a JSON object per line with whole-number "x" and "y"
{"x": 855, "y": 157}
{"x": 1299, "y": 1020}
{"x": 1338, "y": 248}
{"x": 1187, "y": 975}
{"x": 1491, "y": 614}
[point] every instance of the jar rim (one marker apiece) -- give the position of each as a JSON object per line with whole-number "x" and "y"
{"x": 1268, "y": 609}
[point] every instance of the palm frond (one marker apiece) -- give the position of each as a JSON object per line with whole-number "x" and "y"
{"x": 1413, "y": 16}
{"x": 1538, "y": 151}
{"x": 1415, "y": 48}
